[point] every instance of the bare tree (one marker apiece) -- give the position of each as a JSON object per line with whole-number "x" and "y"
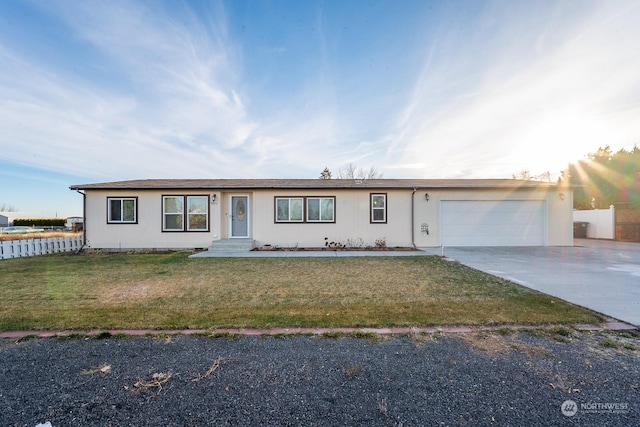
{"x": 545, "y": 176}
{"x": 7, "y": 208}
{"x": 525, "y": 174}
{"x": 351, "y": 171}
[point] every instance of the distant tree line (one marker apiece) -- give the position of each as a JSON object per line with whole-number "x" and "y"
{"x": 606, "y": 178}
{"x": 40, "y": 222}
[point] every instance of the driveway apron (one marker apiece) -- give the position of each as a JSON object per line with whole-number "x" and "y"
{"x": 601, "y": 275}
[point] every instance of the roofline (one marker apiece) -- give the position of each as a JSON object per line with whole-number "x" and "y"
{"x": 318, "y": 184}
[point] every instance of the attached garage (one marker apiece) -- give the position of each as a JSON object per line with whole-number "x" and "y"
{"x": 493, "y": 222}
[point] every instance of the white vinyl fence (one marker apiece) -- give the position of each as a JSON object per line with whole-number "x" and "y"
{"x": 31, "y": 247}
{"x": 602, "y": 222}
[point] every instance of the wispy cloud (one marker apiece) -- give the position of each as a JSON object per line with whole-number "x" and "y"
{"x": 176, "y": 106}
{"x": 553, "y": 98}
{"x": 161, "y": 90}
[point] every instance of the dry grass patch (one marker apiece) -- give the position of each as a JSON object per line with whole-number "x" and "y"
{"x": 214, "y": 367}
{"x": 156, "y": 381}
{"x": 139, "y": 292}
{"x": 169, "y": 291}
{"x": 105, "y": 368}
{"x": 500, "y": 344}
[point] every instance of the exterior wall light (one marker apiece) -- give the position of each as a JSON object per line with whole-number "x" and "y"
{"x": 561, "y": 195}
{"x": 426, "y": 196}
{"x": 213, "y": 198}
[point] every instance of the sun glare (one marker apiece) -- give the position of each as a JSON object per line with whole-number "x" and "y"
{"x": 557, "y": 140}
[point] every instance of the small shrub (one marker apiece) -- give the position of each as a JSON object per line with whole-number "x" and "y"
{"x": 333, "y": 245}
{"x": 381, "y": 243}
{"x": 355, "y": 243}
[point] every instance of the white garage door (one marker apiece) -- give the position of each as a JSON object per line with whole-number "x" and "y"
{"x": 492, "y": 223}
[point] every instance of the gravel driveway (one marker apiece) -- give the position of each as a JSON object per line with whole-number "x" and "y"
{"x": 472, "y": 379}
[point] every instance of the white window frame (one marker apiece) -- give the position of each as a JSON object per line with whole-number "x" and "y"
{"x": 185, "y": 223}
{"x": 321, "y": 219}
{"x": 382, "y": 208}
{"x": 289, "y": 200}
{"x": 110, "y": 219}
{"x": 189, "y": 214}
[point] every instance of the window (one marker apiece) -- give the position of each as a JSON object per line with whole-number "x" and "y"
{"x": 378, "y": 208}
{"x": 122, "y": 210}
{"x": 194, "y": 218}
{"x": 320, "y": 209}
{"x": 305, "y": 209}
{"x": 198, "y": 213}
{"x": 289, "y": 209}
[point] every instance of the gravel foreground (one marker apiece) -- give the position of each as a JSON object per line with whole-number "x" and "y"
{"x": 474, "y": 379}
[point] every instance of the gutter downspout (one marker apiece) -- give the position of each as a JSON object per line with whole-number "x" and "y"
{"x": 84, "y": 221}
{"x": 413, "y": 214}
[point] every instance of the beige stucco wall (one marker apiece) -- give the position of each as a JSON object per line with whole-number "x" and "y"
{"x": 351, "y": 213}
{"x": 147, "y": 233}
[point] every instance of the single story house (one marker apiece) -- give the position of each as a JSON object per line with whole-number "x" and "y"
{"x": 196, "y": 213}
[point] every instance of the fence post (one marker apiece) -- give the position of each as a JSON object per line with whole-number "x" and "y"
{"x": 6, "y": 251}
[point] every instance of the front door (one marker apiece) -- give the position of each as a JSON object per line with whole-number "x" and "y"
{"x": 239, "y": 216}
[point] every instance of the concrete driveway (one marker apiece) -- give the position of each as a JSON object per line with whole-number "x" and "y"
{"x": 601, "y": 275}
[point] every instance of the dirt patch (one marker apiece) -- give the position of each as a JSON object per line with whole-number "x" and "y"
{"x": 496, "y": 344}
{"x": 124, "y": 293}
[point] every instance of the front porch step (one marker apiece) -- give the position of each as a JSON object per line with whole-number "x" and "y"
{"x": 232, "y": 245}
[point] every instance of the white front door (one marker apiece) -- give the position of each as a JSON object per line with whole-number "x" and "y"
{"x": 239, "y": 216}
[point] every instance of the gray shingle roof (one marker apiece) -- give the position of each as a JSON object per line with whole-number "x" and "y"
{"x": 283, "y": 184}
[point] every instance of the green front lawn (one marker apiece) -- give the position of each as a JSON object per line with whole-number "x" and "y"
{"x": 167, "y": 291}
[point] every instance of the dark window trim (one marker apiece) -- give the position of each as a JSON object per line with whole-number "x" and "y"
{"x": 304, "y": 210}
{"x": 135, "y": 198}
{"x": 185, "y": 213}
{"x": 386, "y": 211}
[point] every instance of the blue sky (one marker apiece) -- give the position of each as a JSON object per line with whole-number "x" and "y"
{"x": 94, "y": 91}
